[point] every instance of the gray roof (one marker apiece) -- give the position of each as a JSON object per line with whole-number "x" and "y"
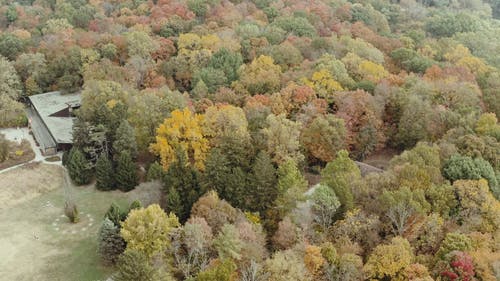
{"x": 61, "y": 128}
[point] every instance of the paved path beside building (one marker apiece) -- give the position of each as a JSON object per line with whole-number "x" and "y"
{"x": 17, "y": 135}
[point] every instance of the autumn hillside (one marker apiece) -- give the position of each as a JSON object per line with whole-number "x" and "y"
{"x": 231, "y": 105}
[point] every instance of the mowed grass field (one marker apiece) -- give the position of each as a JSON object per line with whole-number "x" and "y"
{"x": 36, "y": 240}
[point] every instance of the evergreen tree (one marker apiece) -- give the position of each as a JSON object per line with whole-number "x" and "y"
{"x": 155, "y": 172}
{"x": 126, "y": 172}
{"x": 183, "y": 187}
{"x": 115, "y": 214}
{"x": 110, "y": 244}
{"x": 174, "y": 203}
{"x": 263, "y": 190}
{"x": 125, "y": 139}
{"x": 104, "y": 174}
{"x": 78, "y": 167}
{"x": 227, "y": 169}
{"x": 136, "y": 204}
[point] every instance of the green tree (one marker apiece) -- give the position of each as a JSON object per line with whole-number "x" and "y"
{"x": 140, "y": 44}
{"x": 299, "y": 26}
{"x": 447, "y": 24}
{"x": 78, "y": 167}
{"x": 125, "y": 139}
{"x": 126, "y": 172}
{"x": 32, "y": 68}
{"x": 454, "y": 242}
{"x": 227, "y": 61}
{"x": 282, "y": 137}
{"x": 104, "y": 174}
{"x": 464, "y": 167}
{"x": 115, "y": 214}
{"x": 416, "y": 122}
{"x": 181, "y": 184}
{"x": 339, "y": 175}
{"x": 146, "y": 230}
{"x": 324, "y": 205}
{"x": 155, "y": 172}
{"x": 133, "y": 265}
{"x": 10, "y": 46}
{"x": 211, "y": 77}
{"x": 110, "y": 243}
{"x": 263, "y": 183}
{"x": 291, "y": 186}
{"x": 228, "y": 243}
{"x": 11, "y": 13}
{"x": 221, "y": 271}
{"x": 227, "y": 169}
{"x": 401, "y": 205}
{"x": 10, "y": 85}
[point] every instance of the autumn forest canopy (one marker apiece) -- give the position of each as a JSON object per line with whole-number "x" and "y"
{"x": 239, "y": 107}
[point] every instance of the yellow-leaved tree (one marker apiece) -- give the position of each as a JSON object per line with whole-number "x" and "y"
{"x": 226, "y": 120}
{"x": 389, "y": 261}
{"x": 372, "y": 71}
{"x": 461, "y": 56}
{"x": 323, "y": 83}
{"x": 146, "y": 230}
{"x": 182, "y": 130}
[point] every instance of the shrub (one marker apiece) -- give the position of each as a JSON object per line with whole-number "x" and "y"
{"x": 4, "y": 148}
{"x": 71, "y": 211}
{"x": 115, "y": 214}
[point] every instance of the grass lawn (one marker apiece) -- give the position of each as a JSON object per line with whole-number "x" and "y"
{"x": 36, "y": 240}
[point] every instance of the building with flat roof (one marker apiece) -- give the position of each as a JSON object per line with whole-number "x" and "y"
{"x": 51, "y": 120}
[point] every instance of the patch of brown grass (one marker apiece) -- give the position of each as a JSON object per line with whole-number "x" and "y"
{"x": 36, "y": 178}
{"x": 18, "y": 154}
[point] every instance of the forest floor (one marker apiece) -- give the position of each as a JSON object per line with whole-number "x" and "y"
{"x": 37, "y": 241}
{"x": 381, "y": 158}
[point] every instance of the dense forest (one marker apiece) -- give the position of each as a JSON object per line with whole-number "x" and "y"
{"x": 239, "y": 107}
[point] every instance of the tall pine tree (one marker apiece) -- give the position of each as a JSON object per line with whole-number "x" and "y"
{"x": 79, "y": 167}
{"x": 110, "y": 244}
{"x": 126, "y": 172}
{"x": 125, "y": 139}
{"x": 263, "y": 190}
{"x": 104, "y": 174}
{"x": 182, "y": 186}
{"x": 227, "y": 170}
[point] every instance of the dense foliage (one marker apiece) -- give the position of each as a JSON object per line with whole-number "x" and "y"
{"x": 238, "y": 106}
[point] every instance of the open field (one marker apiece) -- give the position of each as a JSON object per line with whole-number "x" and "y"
{"x": 37, "y": 241}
